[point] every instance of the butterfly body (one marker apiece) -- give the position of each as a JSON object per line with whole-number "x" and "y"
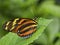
{"x": 22, "y": 26}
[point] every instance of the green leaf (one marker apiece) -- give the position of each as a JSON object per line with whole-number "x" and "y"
{"x": 48, "y": 7}
{"x": 58, "y": 34}
{"x": 52, "y": 29}
{"x": 14, "y": 39}
{"x": 42, "y": 39}
{"x": 58, "y": 42}
{"x": 16, "y": 8}
{"x": 2, "y": 21}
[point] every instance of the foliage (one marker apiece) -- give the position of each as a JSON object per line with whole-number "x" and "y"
{"x": 45, "y": 11}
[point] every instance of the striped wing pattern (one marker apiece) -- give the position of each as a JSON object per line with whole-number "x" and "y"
{"x": 23, "y": 27}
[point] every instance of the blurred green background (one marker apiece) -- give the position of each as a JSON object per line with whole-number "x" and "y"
{"x": 49, "y": 9}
